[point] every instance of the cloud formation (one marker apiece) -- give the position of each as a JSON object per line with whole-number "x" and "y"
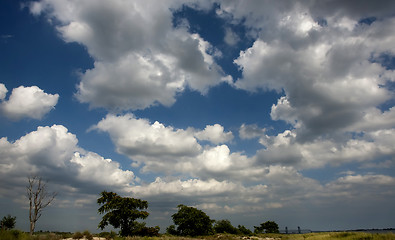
{"x": 163, "y": 148}
{"x": 53, "y": 152}
{"x": 140, "y": 61}
{"x": 215, "y": 134}
{"x": 27, "y": 102}
{"x": 323, "y": 58}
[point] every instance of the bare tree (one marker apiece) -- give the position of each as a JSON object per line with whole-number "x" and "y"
{"x": 39, "y": 198}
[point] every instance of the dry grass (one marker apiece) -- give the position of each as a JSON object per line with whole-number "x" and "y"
{"x": 311, "y": 236}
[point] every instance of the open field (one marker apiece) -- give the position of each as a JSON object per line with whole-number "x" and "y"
{"x": 310, "y": 236}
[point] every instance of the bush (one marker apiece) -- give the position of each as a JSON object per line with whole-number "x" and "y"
{"x": 87, "y": 235}
{"x": 267, "y": 227}
{"x": 78, "y": 235}
{"x": 172, "y": 230}
{"x": 224, "y": 226}
{"x": 13, "y": 235}
{"x": 192, "y": 222}
{"x": 108, "y": 235}
{"x": 243, "y": 230}
{"x": 8, "y": 222}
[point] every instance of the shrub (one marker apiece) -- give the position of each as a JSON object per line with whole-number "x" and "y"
{"x": 224, "y": 226}
{"x": 13, "y": 235}
{"x": 8, "y": 222}
{"x": 172, "y": 230}
{"x": 243, "y": 230}
{"x": 87, "y": 235}
{"x": 78, "y": 235}
{"x": 267, "y": 227}
{"x": 108, "y": 235}
{"x": 192, "y": 222}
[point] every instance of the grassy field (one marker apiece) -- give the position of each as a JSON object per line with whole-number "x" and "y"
{"x": 18, "y": 235}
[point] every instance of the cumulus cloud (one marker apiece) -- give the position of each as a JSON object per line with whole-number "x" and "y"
{"x": 27, "y": 102}
{"x": 164, "y": 149}
{"x": 324, "y": 70}
{"x": 250, "y": 131}
{"x": 140, "y": 61}
{"x": 138, "y": 137}
{"x": 215, "y": 134}
{"x": 284, "y": 149}
{"x": 3, "y": 91}
{"x": 318, "y": 55}
{"x": 53, "y": 153}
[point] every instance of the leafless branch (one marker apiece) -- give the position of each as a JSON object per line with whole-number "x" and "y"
{"x": 39, "y": 198}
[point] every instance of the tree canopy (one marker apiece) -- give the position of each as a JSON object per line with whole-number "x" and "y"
{"x": 8, "y": 222}
{"x": 224, "y": 226}
{"x": 121, "y": 212}
{"x": 191, "y": 222}
{"x": 267, "y": 227}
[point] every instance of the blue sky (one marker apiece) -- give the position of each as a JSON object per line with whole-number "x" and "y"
{"x": 248, "y": 110}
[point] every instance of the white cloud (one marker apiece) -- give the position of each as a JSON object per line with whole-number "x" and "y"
{"x": 140, "y": 61}
{"x": 215, "y": 134}
{"x": 3, "y": 91}
{"x": 284, "y": 149}
{"x": 216, "y": 159}
{"x": 28, "y": 102}
{"x": 185, "y": 188}
{"x": 53, "y": 153}
{"x": 138, "y": 137}
{"x": 231, "y": 38}
{"x": 324, "y": 70}
{"x": 165, "y": 149}
{"x": 371, "y": 187}
{"x": 250, "y": 131}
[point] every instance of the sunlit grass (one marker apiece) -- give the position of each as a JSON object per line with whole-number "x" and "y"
{"x": 19, "y": 235}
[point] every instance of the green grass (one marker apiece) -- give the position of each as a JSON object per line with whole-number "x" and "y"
{"x": 19, "y": 235}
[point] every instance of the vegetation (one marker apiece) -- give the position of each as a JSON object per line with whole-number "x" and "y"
{"x": 224, "y": 226}
{"x": 191, "y": 222}
{"x": 8, "y": 222}
{"x": 243, "y": 230}
{"x": 87, "y": 235}
{"x": 19, "y": 235}
{"x": 78, "y": 235}
{"x": 267, "y": 227}
{"x": 121, "y": 212}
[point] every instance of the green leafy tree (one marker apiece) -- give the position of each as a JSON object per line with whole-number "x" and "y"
{"x": 8, "y": 222}
{"x": 243, "y": 230}
{"x": 224, "y": 226}
{"x": 171, "y": 230}
{"x": 267, "y": 227}
{"x": 121, "y": 212}
{"x": 192, "y": 222}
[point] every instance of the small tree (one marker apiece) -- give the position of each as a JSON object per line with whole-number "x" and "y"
{"x": 268, "y": 227}
{"x": 192, "y": 222}
{"x": 8, "y": 222}
{"x": 224, "y": 226}
{"x": 121, "y": 212}
{"x": 39, "y": 199}
{"x": 243, "y": 230}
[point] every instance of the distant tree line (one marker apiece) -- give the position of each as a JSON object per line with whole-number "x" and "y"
{"x": 123, "y": 212}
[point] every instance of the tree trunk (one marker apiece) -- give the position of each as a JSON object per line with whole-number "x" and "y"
{"x": 32, "y": 226}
